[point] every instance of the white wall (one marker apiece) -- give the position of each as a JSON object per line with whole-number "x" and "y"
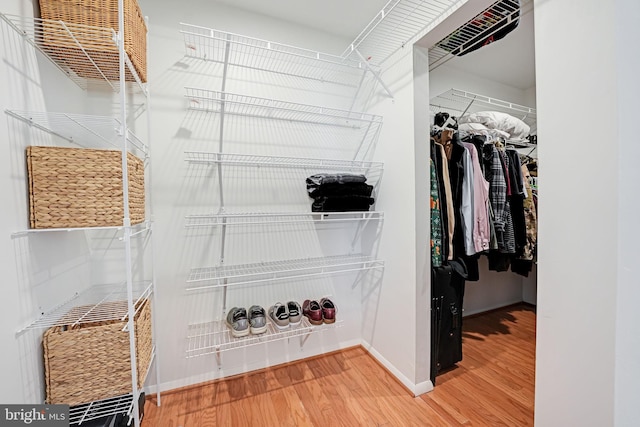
{"x": 578, "y": 284}
{"x": 627, "y": 369}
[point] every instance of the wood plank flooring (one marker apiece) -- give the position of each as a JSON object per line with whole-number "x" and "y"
{"x": 492, "y": 386}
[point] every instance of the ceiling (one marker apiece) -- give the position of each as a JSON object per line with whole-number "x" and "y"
{"x": 344, "y": 18}
{"x": 509, "y": 61}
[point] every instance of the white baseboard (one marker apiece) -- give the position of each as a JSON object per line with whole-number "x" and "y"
{"x": 490, "y": 307}
{"x": 416, "y": 389}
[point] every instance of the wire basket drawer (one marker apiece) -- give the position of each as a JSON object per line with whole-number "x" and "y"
{"x": 80, "y": 187}
{"x": 91, "y": 361}
{"x": 79, "y": 43}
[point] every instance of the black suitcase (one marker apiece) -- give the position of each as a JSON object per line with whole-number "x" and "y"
{"x": 447, "y": 296}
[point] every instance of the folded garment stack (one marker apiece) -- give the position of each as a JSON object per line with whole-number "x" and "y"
{"x": 339, "y": 192}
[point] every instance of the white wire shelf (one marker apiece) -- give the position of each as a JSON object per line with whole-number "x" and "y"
{"x": 247, "y": 52}
{"x": 81, "y": 52}
{"x": 135, "y": 229}
{"x": 228, "y": 275}
{"x": 82, "y": 130}
{"x": 196, "y": 157}
{"x": 212, "y": 101}
{"x": 214, "y": 337}
{"x": 459, "y": 101}
{"x": 266, "y": 218}
{"x": 400, "y": 23}
{"x": 485, "y": 24}
{"x": 97, "y": 304}
{"x": 78, "y": 415}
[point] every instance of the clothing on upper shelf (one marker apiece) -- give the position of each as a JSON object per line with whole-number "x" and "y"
{"x": 339, "y": 192}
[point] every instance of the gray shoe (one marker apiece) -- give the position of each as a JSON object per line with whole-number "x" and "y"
{"x": 279, "y": 315}
{"x": 257, "y": 320}
{"x": 238, "y": 322}
{"x": 295, "y": 313}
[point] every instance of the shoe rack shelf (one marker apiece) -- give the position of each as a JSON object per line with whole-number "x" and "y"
{"x": 215, "y": 337}
{"x": 95, "y": 58}
{"x": 266, "y": 218}
{"x": 228, "y": 275}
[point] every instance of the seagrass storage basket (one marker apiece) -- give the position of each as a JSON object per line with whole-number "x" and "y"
{"x": 89, "y": 362}
{"x": 80, "y": 187}
{"x": 78, "y": 16}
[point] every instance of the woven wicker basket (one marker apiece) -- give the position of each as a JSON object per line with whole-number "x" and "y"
{"x": 76, "y": 14}
{"x": 90, "y": 362}
{"x": 76, "y": 187}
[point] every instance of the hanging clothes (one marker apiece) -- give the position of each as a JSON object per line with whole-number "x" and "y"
{"x": 481, "y": 228}
{"x": 436, "y": 222}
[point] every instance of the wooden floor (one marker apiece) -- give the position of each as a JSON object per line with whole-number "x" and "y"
{"x": 492, "y": 386}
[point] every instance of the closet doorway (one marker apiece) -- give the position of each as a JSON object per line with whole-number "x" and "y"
{"x": 482, "y": 92}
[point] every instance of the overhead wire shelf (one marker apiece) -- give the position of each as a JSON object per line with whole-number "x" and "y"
{"x": 227, "y": 275}
{"x": 82, "y": 130}
{"x": 481, "y": 27}
{"x": 400, "y": 23}
{"x": 213, "y": 337}
{"x": 212, "y": 101}
{"x": 266, "y": 218}
{"x": 100, "y": 303}
{"x": 459, "y": 101}
{"x": 252, "y": 53}
{"x": 196, "y": 157}
{"x": 81, "y": 52}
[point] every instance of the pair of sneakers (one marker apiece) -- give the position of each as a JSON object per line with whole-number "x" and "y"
{"x": 241, "y": 323}
{"x": 285, "y": 315}
{"x": 318, "y": 312}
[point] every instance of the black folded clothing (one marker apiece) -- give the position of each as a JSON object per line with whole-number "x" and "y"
{"x": 332, "y": 178}
{"x": 341, "y": 203}
{"x": 336, "y": 189}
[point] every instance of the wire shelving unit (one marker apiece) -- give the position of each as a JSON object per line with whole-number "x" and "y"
{"x": 460, "y": 101}
{"x": 266, "y": 218}
{"x": 196, "y": 157}
{"x": 215, "y": 337}
{"x": 100, "y": 132}
{"x": 485, "y": 24}
{"x": 243, "y": 274}
{"x": 94, "y": 57}
{"x": 97, "y": 304}
{"x": 79, "y": 51}
{"x": 243, "y": 105}
{"x": 398, "y": 24}
{"x": 248, "y": 52}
